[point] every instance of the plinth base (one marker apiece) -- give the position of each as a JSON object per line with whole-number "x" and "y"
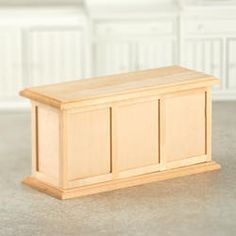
{"x": 120, "y": 183}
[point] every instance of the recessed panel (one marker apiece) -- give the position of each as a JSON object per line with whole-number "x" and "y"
{"x": 185, "y": 126}
{"x": 48, "y": 141}
{"x": 137, "y": 135}
{"x": 88, "y": 144}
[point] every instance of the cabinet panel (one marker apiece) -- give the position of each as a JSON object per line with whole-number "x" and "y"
{"x": 55, "y": 55}
{"x": 125, "y": 56}
{"x": 231, "y": 68}
{"x": 48, "y": 141}
{"x": 204, "y": 55}
{"x": 137, "y": 135}
{"x": 156, "y": 53}
{"x": 138, "y": 28}
{"x": 216, "y": 26}
{"x": 185, "y": 126}
{"x": 89, "y": 144}
{"x": 112, "y": 57}
{"x": 10, "y": 62}
{"x": 127, "y": 46}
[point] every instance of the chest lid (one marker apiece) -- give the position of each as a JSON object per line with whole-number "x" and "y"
{"x": 110, "y": 88}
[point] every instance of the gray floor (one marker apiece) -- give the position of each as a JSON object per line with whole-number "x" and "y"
{"x": 203, "y": 204}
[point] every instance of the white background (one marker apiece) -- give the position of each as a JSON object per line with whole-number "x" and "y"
{"x": 43, "y": 42}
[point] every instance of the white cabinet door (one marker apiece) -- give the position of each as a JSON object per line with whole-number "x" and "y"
{"x": 123, "y": 46}
{"x": 113, "y": 57}
{"x": 55, "y": 55}
{"x": 156, "y": 53}
{"x": 204, "y": 55}
{"x": 10, "y": 62}
{"x": 130, "y": 55}
{"x": 231, "y": 67}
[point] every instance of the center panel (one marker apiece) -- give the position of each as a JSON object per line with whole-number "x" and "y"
{"x": 137, "y": 136}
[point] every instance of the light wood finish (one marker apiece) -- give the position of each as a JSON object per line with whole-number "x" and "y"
{"x": 162, "y": 134}
{"x": 48, "y": 141}
{"x": 208, "y": 108}
{"x": 139, "y": 171}
{"x": 121, "y": 183}
{"x": 89, "y": 180}
{"x": 107, "y": 133}
{"x": 34, "y": 137}
{"x": 63, "y": 156}
{"x": 45, "y": 148}
{"x": 137, "y": 135}
{"x": 186, "y": 161}
{"x": 67, "y": 95}
{"x": 185, "y": 126}
{"x": 114, "y": 159}
{"x": 88, "y": 140}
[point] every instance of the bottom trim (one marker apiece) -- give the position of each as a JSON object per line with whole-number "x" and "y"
{"x": 186, "y": 162}
{"x": 120, "y": 183}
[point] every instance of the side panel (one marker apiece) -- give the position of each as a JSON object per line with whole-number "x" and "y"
{"x": 88, "y": 145}
{"x": 185, "y": 127}
{"x": 45, "y": 131}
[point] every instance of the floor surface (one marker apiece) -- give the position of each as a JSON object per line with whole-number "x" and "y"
{"x": 203, "y": 204}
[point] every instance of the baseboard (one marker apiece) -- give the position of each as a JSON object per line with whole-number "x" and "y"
{"x": 120, "y": 183}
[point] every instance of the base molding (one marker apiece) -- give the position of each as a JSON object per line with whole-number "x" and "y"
{"x": 120, "y": 183}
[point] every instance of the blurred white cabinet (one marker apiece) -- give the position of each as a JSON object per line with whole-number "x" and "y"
{"x": 209, "y": 45}
{"x": 68, "y": 44}
{"x": 112, "y": 57}
{"x": 116, "y": 57}
{"x": 157, "y": 53}
{"x": 10, "y": 62}
{"x": 56, "y": 54}
{"x": 231, "y": 66}
{"x": 129, "y": 46}
{"x": 40, "y": 46}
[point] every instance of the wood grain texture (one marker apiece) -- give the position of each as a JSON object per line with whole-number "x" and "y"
{"x": 120, "y": 183}
{"x": 34, "y": 138}
{"x": 88, "y": 145}
{"x": 63, "y": 150}
{"x": 137, "y": 134}
{"x": 118, "y": 131}
{"x": 162, "y": 134}
{"x": 208, "y": 130}
{"x": 66, "y": 94}
{"x": 185, "y": 126}
{"x": 48, "y": 141}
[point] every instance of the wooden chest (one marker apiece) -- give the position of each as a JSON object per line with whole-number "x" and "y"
{"x": 111, "y": 132}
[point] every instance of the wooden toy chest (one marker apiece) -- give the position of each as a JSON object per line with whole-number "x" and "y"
{"x": 101, "y": 134}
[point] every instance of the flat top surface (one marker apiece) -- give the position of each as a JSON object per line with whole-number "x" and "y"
{"x": 197, "y": 205}
{"x": 78, "y": 90}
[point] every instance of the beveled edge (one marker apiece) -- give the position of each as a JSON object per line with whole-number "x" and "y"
{"x": 113, "y": 97}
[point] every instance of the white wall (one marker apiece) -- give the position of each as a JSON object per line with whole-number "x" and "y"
{"x": 49, "y": 44}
